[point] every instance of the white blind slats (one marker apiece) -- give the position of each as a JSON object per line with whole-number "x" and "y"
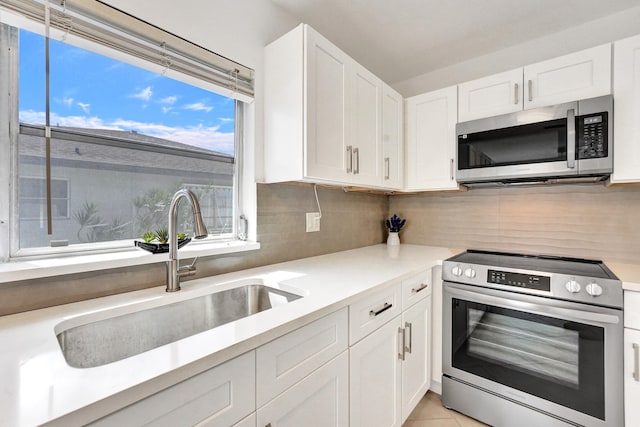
{"x": 103, "y": 25}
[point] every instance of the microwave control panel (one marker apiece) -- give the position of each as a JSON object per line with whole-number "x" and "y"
{"x": 592, "y": 134}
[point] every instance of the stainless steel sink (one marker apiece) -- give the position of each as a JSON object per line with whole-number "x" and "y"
{"x": 116, "y": 338}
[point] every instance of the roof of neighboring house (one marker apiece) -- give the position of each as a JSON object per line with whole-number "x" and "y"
{"x": 121, "y": 149}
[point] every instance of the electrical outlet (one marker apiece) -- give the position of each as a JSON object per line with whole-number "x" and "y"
{"x": 313, "y": 221}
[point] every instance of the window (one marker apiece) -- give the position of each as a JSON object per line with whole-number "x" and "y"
{"x": 123, "y": 136}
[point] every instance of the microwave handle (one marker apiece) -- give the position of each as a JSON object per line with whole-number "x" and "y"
{"x": 571, "y": 138}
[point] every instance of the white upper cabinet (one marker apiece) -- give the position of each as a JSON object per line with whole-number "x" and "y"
{"x": 323, "y": 114}
{"x": 430, "y": 161}
{"x": 580, "y": 75}
{"x": 490, "y": 96}
{"x": 626, "y": 120}
{"x": 392, "y": 138}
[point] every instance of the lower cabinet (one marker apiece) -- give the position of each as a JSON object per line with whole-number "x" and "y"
{"x": 631, "y": 358}
{"x": 221, "y": 396}
{"x": 320, "y": 400}
{"x": 390, "y": 368}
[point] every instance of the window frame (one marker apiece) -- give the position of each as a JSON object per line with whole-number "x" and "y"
{"x": 244, "y": 185}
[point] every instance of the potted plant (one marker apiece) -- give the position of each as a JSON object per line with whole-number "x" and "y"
{"x": 394, "y": 225}
{"x": 158, "y": 242}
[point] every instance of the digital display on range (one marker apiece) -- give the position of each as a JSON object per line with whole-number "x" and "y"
{"x": 529, "y": 281}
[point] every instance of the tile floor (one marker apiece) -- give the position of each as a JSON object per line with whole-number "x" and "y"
{"x": 431, "y": 413}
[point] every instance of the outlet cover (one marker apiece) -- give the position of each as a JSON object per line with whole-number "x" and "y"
{"x": 313, "y": 221}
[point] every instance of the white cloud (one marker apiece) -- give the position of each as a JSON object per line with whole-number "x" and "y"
{"x": 198, "y": 106}
{"x": 67, "y": 101}
{"x": 225, "y": 119}
{"x": 165, "y": 110}
{"x": 85, "y": 107}
{"x": 145, "y": 94}
{"x": 208, "y": 137}
{"x": 169, "y": 100}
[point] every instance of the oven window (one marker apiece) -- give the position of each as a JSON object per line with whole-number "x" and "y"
{"x": 554, "y": 359}
{"x": 524, "y": 144}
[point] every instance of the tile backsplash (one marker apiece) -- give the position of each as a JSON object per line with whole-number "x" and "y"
{"x": 586, "y": 221}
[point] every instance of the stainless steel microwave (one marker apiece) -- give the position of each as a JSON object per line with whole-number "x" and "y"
{"x": 571, "y": 140}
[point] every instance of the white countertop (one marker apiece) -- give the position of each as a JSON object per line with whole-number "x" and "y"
{"x": 628, "y": 273}
{"x": 37, "y": 386}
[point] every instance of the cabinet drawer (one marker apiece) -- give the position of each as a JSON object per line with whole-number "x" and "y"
{"x": 220, "y": 396}
{"x": 416, "y": 288}
{"x": 368, "y": 314}
{"x": 286, "y": 360}
{"x": 632, "y": 309}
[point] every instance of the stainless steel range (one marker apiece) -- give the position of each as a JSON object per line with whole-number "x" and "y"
{"x": 532, "y": 340}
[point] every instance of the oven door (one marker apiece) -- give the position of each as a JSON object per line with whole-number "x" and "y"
{"x": 558, "y": 357}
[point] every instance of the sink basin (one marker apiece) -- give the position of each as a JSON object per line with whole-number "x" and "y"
{"x": 116, "y": 338}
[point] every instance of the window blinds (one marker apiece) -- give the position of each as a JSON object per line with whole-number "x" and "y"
{"x": 103, "y": 25}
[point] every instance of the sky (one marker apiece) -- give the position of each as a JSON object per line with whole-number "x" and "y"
{"x": 92, "y": 91}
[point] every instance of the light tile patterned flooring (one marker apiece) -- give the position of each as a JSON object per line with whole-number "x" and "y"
{"x": 431, "y": 413}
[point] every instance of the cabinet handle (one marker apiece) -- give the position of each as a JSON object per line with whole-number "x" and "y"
{"x": 401, "y": 344}
{"x": 422, "y": 287}
{"x": 571, "y": 138}
{"x": 385, "y": 307}
{"x": 451, "y": 169}
{"x": 408, "y": 326}
{"x": 530, "y": 87}
{"x": 516, "y": 92}
{"x": 350, "y": 162}
{"x": 386, "y": 168}
{"x": 636, "y": 362}
{"x": 356, "y": 154}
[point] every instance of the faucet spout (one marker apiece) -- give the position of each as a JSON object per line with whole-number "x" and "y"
{"x": 174, "y": 271}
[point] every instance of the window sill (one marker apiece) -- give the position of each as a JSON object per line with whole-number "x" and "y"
{"x": 46, "y": 267}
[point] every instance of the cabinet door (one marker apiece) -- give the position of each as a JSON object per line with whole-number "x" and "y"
{"x": 220, "y": 396}
{"x": 366, "y": 116}
{"x": 416, "y": 367}
{"x": 580, "y": 75}
{"x": 392, "y": 139}
{"x": 631, "y": 383}
{"x": 375, "y": 378}
{"x": 328, "y": 70}
{"x": 431, "y": 140}
{"x": 490, "y": 96}
{"x": 319, "y": 400}
{"x": 626, "y": 92}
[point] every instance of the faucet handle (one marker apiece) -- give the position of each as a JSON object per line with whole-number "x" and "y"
{"x": 188, "y": 270}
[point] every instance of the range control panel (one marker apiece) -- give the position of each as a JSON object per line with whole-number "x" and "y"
{"x": 529, "y": 281}
{"x": 592, "y": 133}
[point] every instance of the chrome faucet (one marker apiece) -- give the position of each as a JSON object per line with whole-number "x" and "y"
{"x": 174, "y": 271}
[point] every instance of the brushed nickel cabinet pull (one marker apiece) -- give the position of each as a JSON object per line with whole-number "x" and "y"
{"x": 530, "y": 84}
{"x": 408, "y": 326}
{"x": 516, "y": 93}
{"x": 571, "y": 138}
{"x": 385, "y": 307}
{"x": 356, "y": 154}
{"x": 401, "y": 344}
{"x": 422, "y": 287}
{"x": 386, "y": 168}
{"x": 636, "y": 362}
{"x": 451, "y": 169}
{"x": 350, "y": 161}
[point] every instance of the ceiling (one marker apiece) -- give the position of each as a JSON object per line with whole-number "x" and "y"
{"x": 400, "y": 39}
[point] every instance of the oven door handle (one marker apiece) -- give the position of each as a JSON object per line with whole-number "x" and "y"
{"x": 535, "y": 308}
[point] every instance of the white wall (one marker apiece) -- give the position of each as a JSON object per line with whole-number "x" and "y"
{"x": 238, "y": 30}
{"x": 590, "y": 34}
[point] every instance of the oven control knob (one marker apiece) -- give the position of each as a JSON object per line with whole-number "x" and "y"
{"x": 572, "y": 286}
{"x": 594, "y": 289}
{"x": 470, "y": 273}
{"x": 456, "y": 271}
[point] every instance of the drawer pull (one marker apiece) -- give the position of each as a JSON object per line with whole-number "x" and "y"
{"x": 401, "y": 347}
{"x": 385, "y": 307}
{"x": 636, "y": 362}
{"x": 408, "y": 326}
{"x": 422, "y": 287}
